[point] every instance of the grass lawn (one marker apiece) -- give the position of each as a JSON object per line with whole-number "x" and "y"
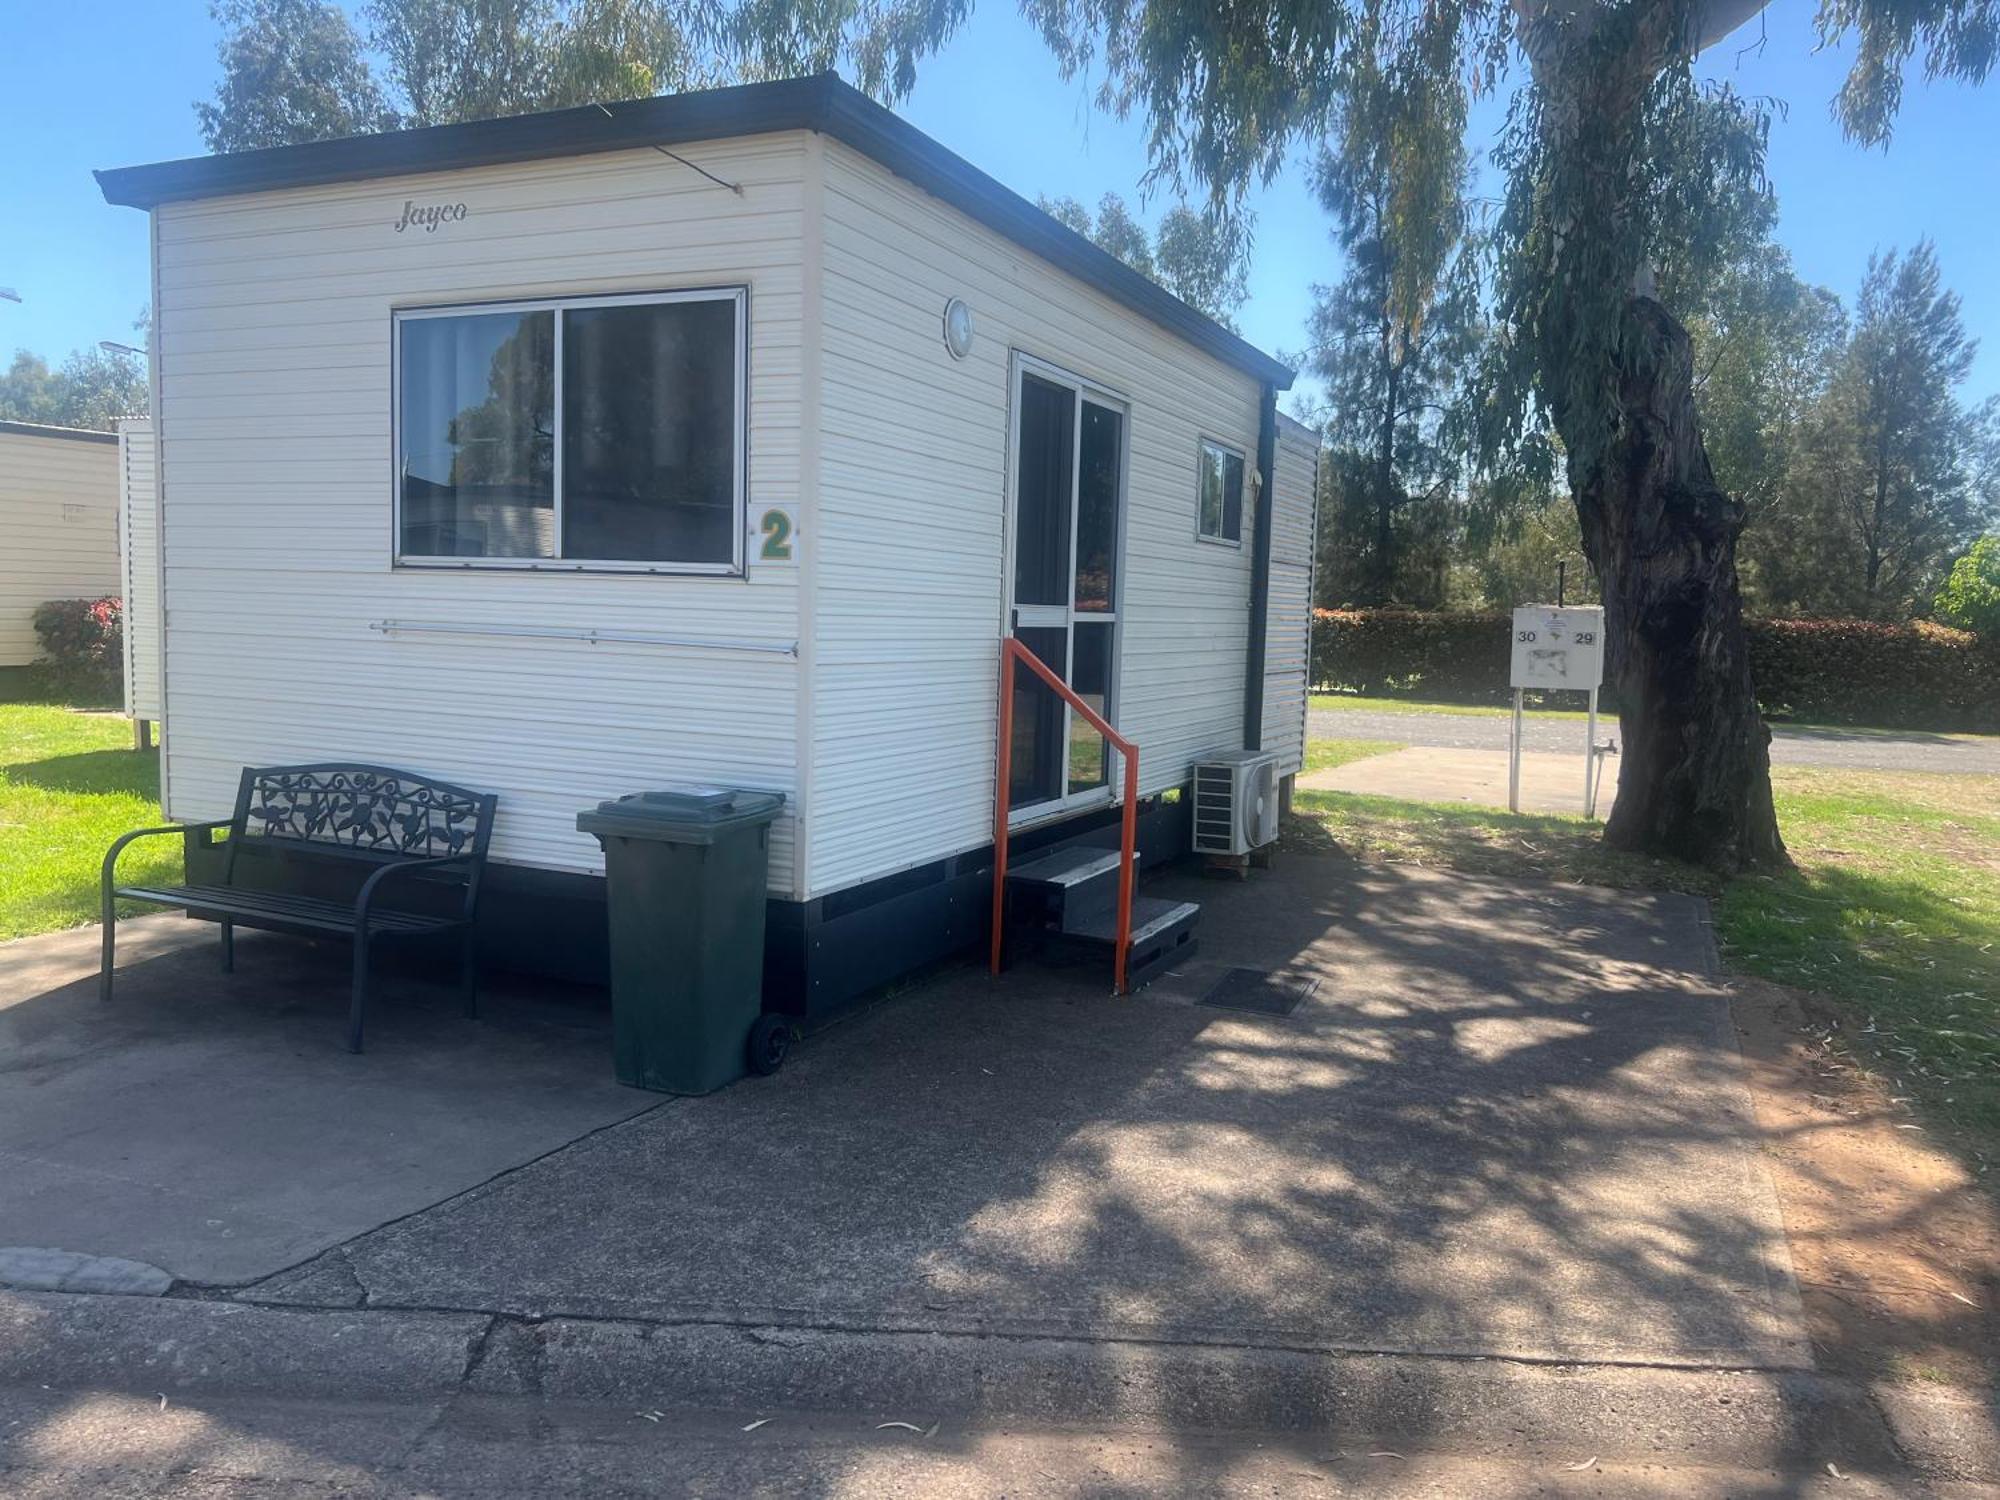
{"x": 70, "y": 783}
{"x": 1892, "y": 916}
{"x": 1324, "y": 755}
{"x": 1336, "y": 701}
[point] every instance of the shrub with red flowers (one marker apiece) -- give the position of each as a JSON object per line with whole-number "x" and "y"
{"x": 1914, "y": 676}
{"x": 82, "y": 639}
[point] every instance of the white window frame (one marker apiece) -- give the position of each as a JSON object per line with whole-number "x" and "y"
{"x": 1218, "y": 539}
{"x": 739, "y": 437}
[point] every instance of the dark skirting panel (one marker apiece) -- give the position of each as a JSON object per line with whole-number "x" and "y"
{"x": 820, "y": 956}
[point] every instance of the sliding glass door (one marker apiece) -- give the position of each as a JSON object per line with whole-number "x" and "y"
{"x": 1069, "y": 472}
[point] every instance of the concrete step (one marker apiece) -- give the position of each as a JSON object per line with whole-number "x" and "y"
{"x": 1163, "y": 934}
{"x": 1056, "y": 891}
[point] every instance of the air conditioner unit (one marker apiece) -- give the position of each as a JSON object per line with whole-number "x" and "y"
{"x": 1235, "y": 802}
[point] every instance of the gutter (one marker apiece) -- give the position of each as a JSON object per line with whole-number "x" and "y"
{"x": 1260, "y": 571}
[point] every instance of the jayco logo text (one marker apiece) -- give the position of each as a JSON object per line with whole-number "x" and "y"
{"x": 428, "y": 216}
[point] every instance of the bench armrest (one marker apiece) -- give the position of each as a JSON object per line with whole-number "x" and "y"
{"x": 403, "y": 867}
{"x": 110, "y": 873}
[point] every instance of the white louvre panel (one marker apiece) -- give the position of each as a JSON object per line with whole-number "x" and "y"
{"x": 274, "y": 427}
{"x": 1288, "y": 637}
{"x": 58, "y": 527}
{"x": 139, "y": 562}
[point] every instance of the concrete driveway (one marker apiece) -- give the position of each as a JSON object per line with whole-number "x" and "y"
{"x": 215, "y": 1127}
{"x": 1504, "y": 1121}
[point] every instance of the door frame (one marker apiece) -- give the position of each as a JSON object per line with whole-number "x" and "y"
{"x": 1019, "y": 364}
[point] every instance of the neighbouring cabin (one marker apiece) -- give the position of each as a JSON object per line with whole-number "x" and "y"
{"x": 718, "y": 438}
{"x": 139, "y": 569}
{"x": 58, "y": 526}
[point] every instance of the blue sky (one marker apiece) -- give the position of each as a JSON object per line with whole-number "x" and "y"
{"x": 113, "y": 84}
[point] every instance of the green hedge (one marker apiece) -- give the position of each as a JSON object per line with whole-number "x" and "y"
{"x": 1919, "y": 676}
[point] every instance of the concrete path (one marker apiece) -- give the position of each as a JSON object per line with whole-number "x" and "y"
{"x": 1478, "y": 778}
{"x": 216, "y": 1127}
{"x": 1860, "y": 749}
{"x": 60, "y": 1445}
{"x": 1507, "y": 1121}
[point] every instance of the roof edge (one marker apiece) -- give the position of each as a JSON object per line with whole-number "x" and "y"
{"x": 48, "y": 430}
{"x": 820, "y": 102}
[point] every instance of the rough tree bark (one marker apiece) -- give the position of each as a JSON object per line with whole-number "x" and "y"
{"x": 1694, "y": 777}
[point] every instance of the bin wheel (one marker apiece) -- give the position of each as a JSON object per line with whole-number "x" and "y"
{"x": 770, "y": 1040}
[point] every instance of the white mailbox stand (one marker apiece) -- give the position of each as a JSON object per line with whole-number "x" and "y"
{"x": 1559, "y": 647}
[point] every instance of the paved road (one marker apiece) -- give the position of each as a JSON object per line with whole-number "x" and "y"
{"x": 1860, "y": 749}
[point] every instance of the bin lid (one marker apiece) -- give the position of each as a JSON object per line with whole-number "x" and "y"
{"x": 690, "y": 814}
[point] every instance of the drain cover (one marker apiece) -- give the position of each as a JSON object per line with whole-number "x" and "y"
{"x": 1261, "y": 990}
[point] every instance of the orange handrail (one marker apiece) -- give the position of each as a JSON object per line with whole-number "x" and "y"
{"x": 1011, "y": 651}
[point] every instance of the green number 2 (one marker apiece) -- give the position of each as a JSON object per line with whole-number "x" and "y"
{"x": 777, "y": 529}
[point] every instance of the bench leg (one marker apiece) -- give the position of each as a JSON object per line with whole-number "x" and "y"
{"x": 358, "y": 1009}
{"x": 109, "y": 959}
{"x": 468, "y": 975}
{"x": 229, "y": 947}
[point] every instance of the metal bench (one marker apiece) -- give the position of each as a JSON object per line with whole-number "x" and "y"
{"x": 382, "y": 825}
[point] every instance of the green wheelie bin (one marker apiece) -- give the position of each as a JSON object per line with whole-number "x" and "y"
{"x": 684, "y": 872}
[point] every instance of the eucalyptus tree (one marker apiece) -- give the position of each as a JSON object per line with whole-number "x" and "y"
{"x": 302, "y": 70}
{"x": 292, "y": 70}
{"x": 1615, "y": 158}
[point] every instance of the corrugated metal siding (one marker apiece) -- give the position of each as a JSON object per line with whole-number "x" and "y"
{"x": 139, "y": 565}
{"x": 58, "y": 531}
{"x": 273, "y": 336}
{"x": 908, "y": 592}
{"x": 1288, "y": 639}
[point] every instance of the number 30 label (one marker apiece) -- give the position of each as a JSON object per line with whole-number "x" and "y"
{"x": 776, "y": 528}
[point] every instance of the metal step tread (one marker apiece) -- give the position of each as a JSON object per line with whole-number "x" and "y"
{"x": 1066, "y": 867}
{"x": 1151, "y": 916}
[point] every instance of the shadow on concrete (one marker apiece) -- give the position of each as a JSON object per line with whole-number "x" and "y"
{"x": 215, "y": 1126}
{"x": 1511, "y": 1121}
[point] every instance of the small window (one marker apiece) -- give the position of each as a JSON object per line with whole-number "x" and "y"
{"x": 586, "y": 432}
{"x": 1221, "y": 494}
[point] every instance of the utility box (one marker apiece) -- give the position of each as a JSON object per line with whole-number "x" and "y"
{"x": 684, "y": 876}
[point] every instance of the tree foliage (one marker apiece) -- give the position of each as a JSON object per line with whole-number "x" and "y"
{"x": 1970, "y": 596}
{"x": 92, "y": 388}
{"x": 1907, "y": 471}
{"x": 292, "y": 70}
{"x": 1394, "y": 339}
{"x": 300, "y": 70}
{"x": 1203, "y": 259}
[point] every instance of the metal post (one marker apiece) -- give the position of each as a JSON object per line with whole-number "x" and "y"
{"x": 1514, "y": 758}
{"x": 1562, "y": 582}
{"x": 1590, "y": 762}
{"x": 1003, "y": 777}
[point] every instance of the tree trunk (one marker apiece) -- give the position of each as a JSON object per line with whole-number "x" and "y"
{"x": 1384, "y": 586}
{"x": 1694, "y": 776}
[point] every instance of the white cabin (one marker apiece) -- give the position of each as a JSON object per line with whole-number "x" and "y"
{"x": 716, "y": 438}
{"x": 58, "y": 526}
